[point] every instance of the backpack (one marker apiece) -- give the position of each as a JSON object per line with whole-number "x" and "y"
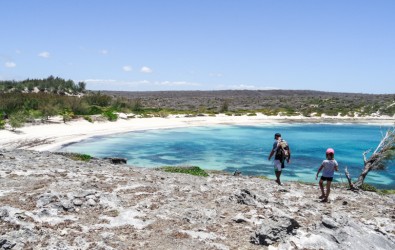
{"x": 282, "y": 152}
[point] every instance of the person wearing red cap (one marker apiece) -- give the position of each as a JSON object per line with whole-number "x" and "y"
{"x": 328, "y": 167}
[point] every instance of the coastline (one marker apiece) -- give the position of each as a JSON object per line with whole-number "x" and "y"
{"x": 51, "y": 137}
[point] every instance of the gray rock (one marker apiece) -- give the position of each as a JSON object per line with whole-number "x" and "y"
{"x": 245, "y": 197}
{"x": 91, "y": 202}
{"x": 6, "y": 244}
{"x": 275, "y": 229}
{"x": 3, "y": 213}
{"x": 67, "y": 205}
{"x": 329, "y": 223}
{"x": 239, "y": 218}
{"x": 46, "y": 199}
{"x": 116, "y": 160}
{"x": 78, "y": 202}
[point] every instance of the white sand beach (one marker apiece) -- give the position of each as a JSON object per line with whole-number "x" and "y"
{"x": 51, "y": 137}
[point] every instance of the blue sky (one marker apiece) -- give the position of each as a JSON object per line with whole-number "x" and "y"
{"x": 336, "y": 45}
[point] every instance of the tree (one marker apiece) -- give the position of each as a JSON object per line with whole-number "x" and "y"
{"x": 17, "y": 120}
{"x": 67, "y": 115}
{"x": 137, "y": 105}
{"x": 224, "y": 107}
{"x": 81, "y": 86}
{"x": 384, "y": 152}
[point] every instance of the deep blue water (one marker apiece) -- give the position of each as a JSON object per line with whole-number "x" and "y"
{"x": 246, "y": 148}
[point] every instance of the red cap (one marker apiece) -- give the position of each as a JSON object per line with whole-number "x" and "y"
{"x": 330, "y": 151}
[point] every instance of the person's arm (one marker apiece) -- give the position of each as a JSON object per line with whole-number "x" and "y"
{"x": 289, "y": 155}
{"x": 271, "y": 154}
{"x": 319, "y": 170}
{"x": 273, "y": 150}
{"x": 336, "y": 167}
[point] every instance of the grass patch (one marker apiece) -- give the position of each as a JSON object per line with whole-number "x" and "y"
{"x": 368, "y": 187}
{"x": 386, "y": 191}
{"x": 193, "y": 170}
{"x": 81, "y": 157}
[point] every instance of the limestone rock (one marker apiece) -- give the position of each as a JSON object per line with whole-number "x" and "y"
{"x": 50, "y": 201}
{"x": 275, "y": 229}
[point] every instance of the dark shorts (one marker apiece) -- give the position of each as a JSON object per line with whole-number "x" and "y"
{"x": 326, "y": 178}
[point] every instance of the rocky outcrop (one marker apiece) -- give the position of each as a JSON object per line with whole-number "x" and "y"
{"x": 274, "y": 230}
{"x": 50, "y": 201}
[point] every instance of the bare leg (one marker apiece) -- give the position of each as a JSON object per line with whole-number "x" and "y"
{"x": 328, "y": 189}
{"x": 278, "y": 174}
{"x": 321, "y": 183}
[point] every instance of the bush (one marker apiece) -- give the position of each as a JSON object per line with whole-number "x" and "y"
{"x": 2, "y": 123}
{"x": 17, "y": 120}
{"x": 368, "y": 187}
{"x": 194, "y": 170}
{"x": 67, "y": 115}
{"x": 109, "y": 114}
{"x": 88, "y": 118}
{"x": 95, "y": 110}
{"x": 81, "y": 157}
{"x": 386, "y": 191}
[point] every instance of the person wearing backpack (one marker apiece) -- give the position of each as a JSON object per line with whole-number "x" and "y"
{"x": 282, "y": 153}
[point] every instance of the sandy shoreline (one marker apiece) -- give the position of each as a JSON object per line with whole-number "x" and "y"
{"x": 51, "y": 137}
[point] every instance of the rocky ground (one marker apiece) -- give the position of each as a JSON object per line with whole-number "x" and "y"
{"x": 49, "y": 201}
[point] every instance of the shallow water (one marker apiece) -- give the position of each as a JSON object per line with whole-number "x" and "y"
{"x": 246, "y": 148}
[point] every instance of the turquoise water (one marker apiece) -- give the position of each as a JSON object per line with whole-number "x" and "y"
{"x": 246, "y": 148}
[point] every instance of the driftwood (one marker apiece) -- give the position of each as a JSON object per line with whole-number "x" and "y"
{"x": 378, "y": 160}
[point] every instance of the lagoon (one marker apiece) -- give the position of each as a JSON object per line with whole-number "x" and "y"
{"x": 246, "y": 148}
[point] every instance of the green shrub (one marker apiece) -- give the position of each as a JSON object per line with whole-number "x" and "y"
{"x": 2, "y": 123}
{"x": 95, "y": 110}
{"x": 67, "y": 115}
{"x": 88, "y": 118}
{"x": 194, "y": 170}
{"x": 386, "y": 191}
{"x": 251, "y": 114}
{"x": 368, "y": 187}
{"x": 35, "y": 114}
{"x": 81, "y": 157}
{"x": 109, "y": 114}
{"x": 17, "y": 120}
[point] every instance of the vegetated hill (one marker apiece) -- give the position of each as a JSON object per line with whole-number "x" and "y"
{"x": 288, "y": 102}
{"x": 51, "y": 84}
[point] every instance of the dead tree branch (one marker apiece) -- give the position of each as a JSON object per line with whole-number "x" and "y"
{"x": 384, "y": 152}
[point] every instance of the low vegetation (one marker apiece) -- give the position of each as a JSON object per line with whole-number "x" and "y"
{"x": 368, "y": 187}
{"x": 268, "y": 102}
{"x": 193, "y": 170}
{"x": 35, "y": 100}
{"x": 76, "y": 156}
